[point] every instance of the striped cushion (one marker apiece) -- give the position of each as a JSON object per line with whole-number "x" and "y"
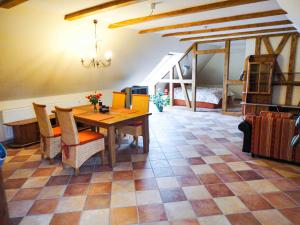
{"x": 271, "y": 135}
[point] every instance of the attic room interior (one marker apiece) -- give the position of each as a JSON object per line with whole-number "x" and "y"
{"x": 152, "y": 112}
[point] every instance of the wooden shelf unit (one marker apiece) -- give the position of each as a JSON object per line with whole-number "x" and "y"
{"x": 258, "y": 88}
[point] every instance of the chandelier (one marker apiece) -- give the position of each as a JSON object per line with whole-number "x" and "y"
{"x": 96, "y": 61}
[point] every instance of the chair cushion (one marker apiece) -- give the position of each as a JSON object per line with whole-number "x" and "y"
{"x": 88, "y": 136}
{"x": 136, "y": 123}
{"x": 56, "y": 131}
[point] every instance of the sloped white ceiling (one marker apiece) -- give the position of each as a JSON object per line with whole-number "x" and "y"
{"x": 292, "y": 7}
{"x": 40, "y": 54}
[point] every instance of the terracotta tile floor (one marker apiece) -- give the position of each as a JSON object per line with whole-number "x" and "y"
{"x": 195, "y": 173}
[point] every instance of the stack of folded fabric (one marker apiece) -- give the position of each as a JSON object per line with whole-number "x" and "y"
{"x": 271, "y": 135}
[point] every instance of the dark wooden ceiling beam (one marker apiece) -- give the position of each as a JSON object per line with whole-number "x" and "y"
{"x": 101, "y": 7}
{"x": 237, "y": 27}
{"x": 276, "y": 30}
{"x": 216, "y": 20}
{"x": 7, "y": 4}
{"x": 185, "y": 11}
{"x": 245, "y": 37}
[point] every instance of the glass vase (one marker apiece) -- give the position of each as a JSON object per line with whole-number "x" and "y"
{"x": 95, "y": 107}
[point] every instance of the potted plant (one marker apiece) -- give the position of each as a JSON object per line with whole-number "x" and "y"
{"x": 160, "y": 100}
{"x": 94, "y": 99}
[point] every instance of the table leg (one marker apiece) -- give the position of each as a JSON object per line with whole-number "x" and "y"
{"x": 145, "y": 128}
{"x": 111, "y": 144}
{"x": 3, "y": 203}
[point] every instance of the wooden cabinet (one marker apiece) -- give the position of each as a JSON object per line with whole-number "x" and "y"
{"x": 259, "y": 79}
{"x": 258, "y": 89}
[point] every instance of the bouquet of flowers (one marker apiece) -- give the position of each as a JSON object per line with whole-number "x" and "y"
{"x": 94, "y": 98}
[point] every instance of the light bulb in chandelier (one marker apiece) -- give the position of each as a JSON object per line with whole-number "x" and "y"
{"x": 108, "y": 55}
{"x": 95, "y": 59}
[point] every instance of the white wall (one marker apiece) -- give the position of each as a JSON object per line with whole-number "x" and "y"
{"x": 250, "y": 47}
{"x": 212, "y": 73}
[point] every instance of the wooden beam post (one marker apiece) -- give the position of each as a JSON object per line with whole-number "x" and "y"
{"x": 183, "y": 87}
{"x": 282, "y": 43}
{"x": 292, "y": 62}
{"x": 268, "y": 45}
{"x": 226, "y": 75}
{"x": 171, "y": 87}
{"x": 244, "y": 95}
{"x": 257, "y": 45}
{"x": 194, "y": 77}
{"x": 210, "y": 51}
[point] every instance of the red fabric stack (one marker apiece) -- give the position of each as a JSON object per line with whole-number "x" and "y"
{"x": 271, "y": 135}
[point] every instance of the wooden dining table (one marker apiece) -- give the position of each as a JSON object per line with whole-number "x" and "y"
{"x": 111, "y": 120}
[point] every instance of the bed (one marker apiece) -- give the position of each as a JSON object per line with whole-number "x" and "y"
{"x": 206, "y": 97}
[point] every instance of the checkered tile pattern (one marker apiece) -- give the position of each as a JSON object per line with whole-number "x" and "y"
{"x": 195, "y": 173}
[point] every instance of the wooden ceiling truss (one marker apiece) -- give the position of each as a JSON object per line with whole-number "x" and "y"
{"x": 262, "y": 37}
{"x": 100, "y": 8}
{"x": 216, "y": 21}
{"x": 244, "y": 33}
{"x": 261, "y": 40}
{"x": 229, "y": 28}
{"x": 225, "y": 4}
{"x": 184, "y": 11}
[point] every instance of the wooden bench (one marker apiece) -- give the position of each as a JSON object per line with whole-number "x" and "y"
{"x": 26, "y": 132}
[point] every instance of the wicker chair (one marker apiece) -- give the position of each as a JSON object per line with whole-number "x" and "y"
{"x": 118, "y": 100}
{"x": 50, "y": 137}
{"x": 140, "y": 103}
{"x": 77, "y": 147}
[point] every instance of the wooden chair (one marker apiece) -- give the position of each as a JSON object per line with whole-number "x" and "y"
{"x": 77, "y": 147}
{"x": 50, "y": 137}
{"x": 140, "y": 103}
{"x": 118, "y": 101}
